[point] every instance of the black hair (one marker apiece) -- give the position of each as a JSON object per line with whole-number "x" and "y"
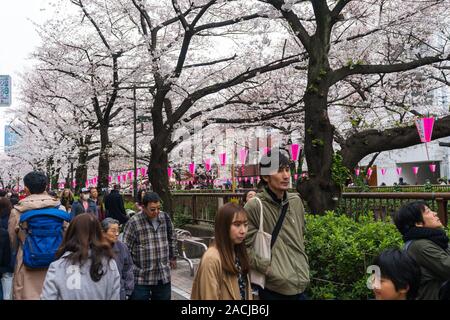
{"x": 408, "y": 215}
{"x": 275, "y": 158}
{"x": 150, "y": 197}
{"x": 399, "y": 267}
{"x": 3, "y": 193}
{"x": 36, "y": 182}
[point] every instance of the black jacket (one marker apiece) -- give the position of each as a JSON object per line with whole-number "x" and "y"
{"x": 114, "y": 207}
{"x": 5, "y": 252}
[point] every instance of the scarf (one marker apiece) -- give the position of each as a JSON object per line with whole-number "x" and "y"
{"x": 438, "y": 236}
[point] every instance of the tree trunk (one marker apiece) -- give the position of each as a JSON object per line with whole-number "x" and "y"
{"x": 158, "y": 175}
{"x": 319, "y": 191}
{"x": 81, "y": 170}
{"x": 103, "y": 161}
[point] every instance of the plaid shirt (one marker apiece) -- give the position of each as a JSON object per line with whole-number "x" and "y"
{"x": 150, "y": 249}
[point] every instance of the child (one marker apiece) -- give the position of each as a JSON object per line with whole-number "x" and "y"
{"x": 400, "y": 276}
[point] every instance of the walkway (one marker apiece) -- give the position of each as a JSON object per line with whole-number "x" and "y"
{"x": 182, "y": 280}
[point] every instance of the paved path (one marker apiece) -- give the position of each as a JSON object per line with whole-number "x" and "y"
{"x": 182, "y": 280}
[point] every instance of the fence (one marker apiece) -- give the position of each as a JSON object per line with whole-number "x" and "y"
{"x": 202, "y": 207}
{"x": 403, "y": 188}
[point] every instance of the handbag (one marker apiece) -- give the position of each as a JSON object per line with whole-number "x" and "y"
{"x": 264, "y": 242}
{"x": 261, "y": 248}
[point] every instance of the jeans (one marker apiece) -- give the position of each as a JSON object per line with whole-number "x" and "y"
{"x": 266, "y": 294}
{"x": 6, "y": 286}
{"x": 152, "y": 292}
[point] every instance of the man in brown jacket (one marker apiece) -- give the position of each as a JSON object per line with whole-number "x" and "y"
{"x": 28, "y": 283}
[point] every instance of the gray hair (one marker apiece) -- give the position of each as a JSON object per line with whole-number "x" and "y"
{"x": 107, "y": 222}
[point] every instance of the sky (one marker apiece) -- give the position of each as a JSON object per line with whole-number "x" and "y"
{"x": 18, "y": 40}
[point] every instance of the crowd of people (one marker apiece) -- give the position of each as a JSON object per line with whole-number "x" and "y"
{"x": 258, "y": 249}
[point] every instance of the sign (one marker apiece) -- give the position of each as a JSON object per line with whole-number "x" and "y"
{"x": 5, "y": 91}
{"x": 10, "y": 137}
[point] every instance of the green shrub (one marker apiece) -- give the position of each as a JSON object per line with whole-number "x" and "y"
{"x": 340, "y": 250}
{"x": 180, "y": 218}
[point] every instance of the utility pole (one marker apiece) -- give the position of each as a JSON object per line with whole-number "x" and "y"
{"x": 135, "y": 195}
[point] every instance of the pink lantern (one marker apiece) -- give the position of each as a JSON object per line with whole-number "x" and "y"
{"x": 357, "y": 170}
{"x": 124, "y": 178}
{"x": 223, "y": 159}
{"x": 295, "y": 150}
{"x": 251, "y": 180}
{"x": 296, "y": 176}
{"x": 130, "y": 175}
{"x": 433, "y": 168}
{"x": 192, "y": 168}
{"x": 369, "y": 172}
{"x": 169, "y": 171}
{"x": 119, "y": 178}
{"x": 415, "y": 170}
{"x": 109, "y": 179}
{"x": 243, "y": 155}
{"x": 399, "y": 171}
{"x": 143, "y": 172}
{"x": 208, "y": 164}
{"x": 266, "y": 150}
{"x": 87, "y": 184}
{"x": 425, "y": 128}
{"x": 239, "y": 179}
{"x": 383, "y": 171}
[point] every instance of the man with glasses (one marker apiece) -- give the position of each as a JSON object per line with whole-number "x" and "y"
{"x": 149, "y": 236}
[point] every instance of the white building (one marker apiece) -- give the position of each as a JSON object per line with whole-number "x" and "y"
{"x": 407, "y": 158}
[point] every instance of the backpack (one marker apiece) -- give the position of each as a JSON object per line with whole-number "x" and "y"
{"x": 44, "y": 234}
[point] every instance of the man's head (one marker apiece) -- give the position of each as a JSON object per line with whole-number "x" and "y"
{"x": 35, "y": 182}
{"x": 152, "y": 204}
{"x": 84, "y": 194}
{"x": 275, "y": 170}
{"x": 416, "y": 214}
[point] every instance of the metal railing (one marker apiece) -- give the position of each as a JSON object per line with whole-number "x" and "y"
{"x": 202, "y": 207}
{"x": 383, "y": 205}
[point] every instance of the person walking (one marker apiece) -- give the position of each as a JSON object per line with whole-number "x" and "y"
{"x": 27, "y": 281}
{"x": 84, "y": 205}
{"x": 114, "y": 205}
{"x": 152, "y": 242}
{"x": 287, "y": 271}
{"x": 85, "y": 269}
{"x": 223, "y": 270}
{"x": 122, "y": 257}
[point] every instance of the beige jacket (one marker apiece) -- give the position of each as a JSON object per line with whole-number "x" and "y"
{"x": 27, "y": 283}
{"x": 211, "y": 282}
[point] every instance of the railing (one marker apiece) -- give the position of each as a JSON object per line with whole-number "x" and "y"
{"x": 402, "y": 188}
{"x": 202, "y": 207}
{"x": 383, "y": 205}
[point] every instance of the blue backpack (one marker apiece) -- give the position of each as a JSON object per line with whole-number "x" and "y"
{"x": 44, "y": 233}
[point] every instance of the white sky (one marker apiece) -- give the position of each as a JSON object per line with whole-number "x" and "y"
{"x": 18, "y": 39}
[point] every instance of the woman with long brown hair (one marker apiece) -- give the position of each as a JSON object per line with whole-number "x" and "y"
{"x": 85, "y": 269}
{"x": 223, "y": 270}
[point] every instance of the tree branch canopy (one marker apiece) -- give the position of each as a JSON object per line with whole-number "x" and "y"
{"x": 346, "y": 71}
{"x": 361, "y": 144}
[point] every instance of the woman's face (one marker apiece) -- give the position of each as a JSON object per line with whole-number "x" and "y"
{"x": 113, "y": 233}
{"x": 239, "y": 228}
{"x": 430, "y": 219}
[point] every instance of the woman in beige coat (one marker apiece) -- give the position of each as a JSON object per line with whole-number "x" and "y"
{"x": 223, "y": 270}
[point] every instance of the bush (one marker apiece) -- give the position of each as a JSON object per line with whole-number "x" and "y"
{"x": 340, "y": 250}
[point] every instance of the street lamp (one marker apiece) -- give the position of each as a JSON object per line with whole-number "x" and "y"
{"x": 72, "y": 160}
